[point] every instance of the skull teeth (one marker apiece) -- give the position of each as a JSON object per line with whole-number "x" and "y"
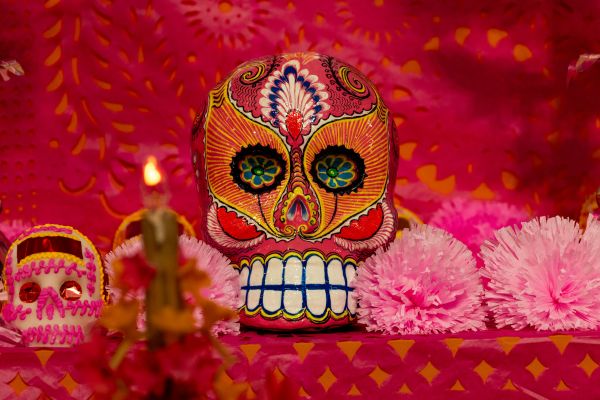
{"x": 294, "y": 285}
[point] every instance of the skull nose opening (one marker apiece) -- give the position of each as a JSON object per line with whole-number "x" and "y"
{"x": 298, "y": 212}
{"x": 48, "y": 303}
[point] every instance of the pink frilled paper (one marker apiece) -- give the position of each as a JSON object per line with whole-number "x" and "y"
{"x": 356, "y": 365}
{"x": 478, "y": 90}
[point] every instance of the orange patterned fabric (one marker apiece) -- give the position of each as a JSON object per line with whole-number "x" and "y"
{"x": 355, "y": 365}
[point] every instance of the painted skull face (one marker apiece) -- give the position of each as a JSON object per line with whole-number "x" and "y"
{"x": 295, "y": 160}
{"x": 54, "y": 281}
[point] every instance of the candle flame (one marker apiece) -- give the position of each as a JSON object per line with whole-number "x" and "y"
{"x": 152, "y": 175}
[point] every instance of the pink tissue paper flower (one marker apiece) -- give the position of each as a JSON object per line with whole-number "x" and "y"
{"x": 225, "y": 285}
{"x": 474, "y": 221}
{"x": 426, "y": 282}
{"x": 545, "y": 274}
{"x": 14, "y": 228}
{"x": 9, "y": 231}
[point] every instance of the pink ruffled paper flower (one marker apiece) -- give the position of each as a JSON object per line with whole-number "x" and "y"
{"x": 474, "y": 221}
{"x": 9, "y": 231}
{"x": 14, "y": 228}
{"x": 225, "y": 285}
{"x": 426, "y": 282}
{"x": 545, "y": 274}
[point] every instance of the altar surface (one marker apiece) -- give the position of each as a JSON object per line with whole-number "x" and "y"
{"x": 496, "y": 364}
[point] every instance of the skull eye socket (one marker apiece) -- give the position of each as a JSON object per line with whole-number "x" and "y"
{"x": 29, "y": 292}
{"x": 338, "y": 170}
{"x": 257, "y": 169}
{"x": 70, "y": 290}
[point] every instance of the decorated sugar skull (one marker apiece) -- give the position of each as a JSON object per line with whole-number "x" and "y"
{"x": 54, "y": 279}
{"x": 295, "y": 161}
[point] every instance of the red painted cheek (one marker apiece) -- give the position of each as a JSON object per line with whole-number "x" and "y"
{"x": 364, "y": 227}
{"x": 235, "y": 226}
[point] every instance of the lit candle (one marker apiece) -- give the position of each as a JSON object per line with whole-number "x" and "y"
{"x": 155, "y": 195}
{"x": 160, "y": 236}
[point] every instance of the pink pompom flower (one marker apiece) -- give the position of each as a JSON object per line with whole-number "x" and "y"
{"x": 545, "y": 274}
{"x": 14, "y": 228}
{"x": 224, "y": 288}
{"x": 426, "y": 282}
{"x": 474, "y": 221}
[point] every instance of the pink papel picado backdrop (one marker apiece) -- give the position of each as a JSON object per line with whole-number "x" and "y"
{"x": 478, "y": 91}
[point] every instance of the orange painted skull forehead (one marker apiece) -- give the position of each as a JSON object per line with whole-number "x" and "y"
{"x": 297, "y": 145}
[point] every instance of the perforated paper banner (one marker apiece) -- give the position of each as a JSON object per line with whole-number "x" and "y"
{"x": 356, "y": 365}
{"x": 478, "y": 90}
